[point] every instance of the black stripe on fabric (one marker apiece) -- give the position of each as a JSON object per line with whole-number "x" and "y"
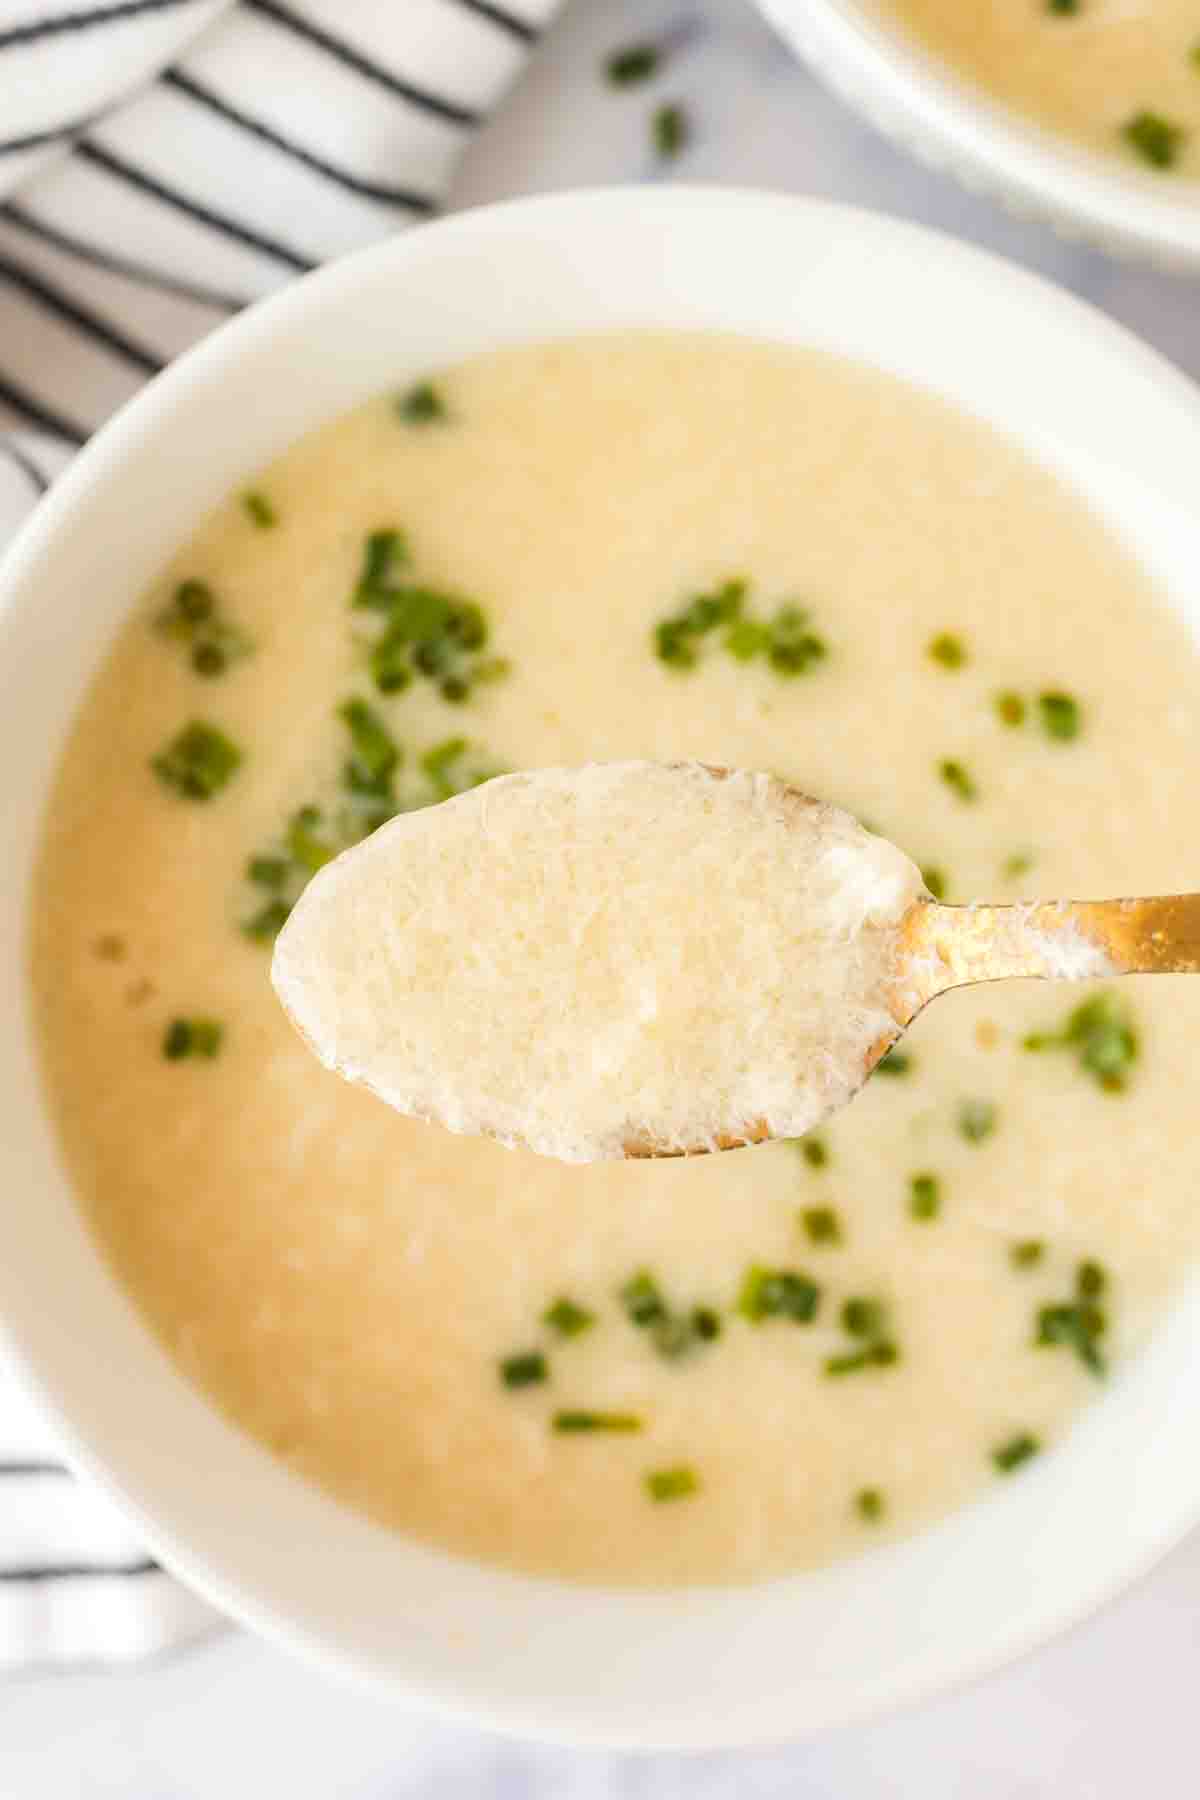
{"x": 362, "y": 65}
{"x": 100, "y": 158}
{"x": 203, "y": 96}
{"x": 40, "y": 483}
{"x": 496, "y": 15}
{"x": 79, "y": 1571}
{"x": 38, "y": 139}
{"x": 52, "y": 300}
{"x": 14, "y": 214}
{"x": 28, "y": 407}
{"x": 83, "y": 21}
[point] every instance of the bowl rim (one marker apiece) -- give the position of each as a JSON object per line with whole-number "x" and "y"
{"x": 99, "y": 464}
{"x": 951, "y": 124}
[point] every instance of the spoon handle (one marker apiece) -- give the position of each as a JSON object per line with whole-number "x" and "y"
{"x": 1066, "y": 940}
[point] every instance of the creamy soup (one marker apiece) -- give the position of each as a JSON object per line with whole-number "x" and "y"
{"x": 1120, "y": 76}
{"x": 645, "y": 1371}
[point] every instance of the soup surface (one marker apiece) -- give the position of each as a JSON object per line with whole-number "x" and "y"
{"x": 1120, "y": 76}
{"x": 648, "y": 1372}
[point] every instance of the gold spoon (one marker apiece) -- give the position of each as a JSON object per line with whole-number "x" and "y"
{"x": 943, "y": 947}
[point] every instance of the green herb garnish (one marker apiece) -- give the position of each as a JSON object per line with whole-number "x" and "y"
{"x": 308, "y": 850}
{"x": 1018, "y": 1450}
{"x": 596, "y": 1421}
{"x": 814, "y": 1150}
{"x": 1010, "y": 708}
{"x": 670, "y": 129}
{"x": 924, "y": 1197}
{"x": 1019, "y": 863}
{"x": 706, "y": 1323}
{"x": 778, "y": 1294}
{"x": 192, "y": 1037}
{"x": 525, "y": 1369}
{"x": 642, "y": 1300}
{"x": 632, "y": 64}
{"x": 1063, "y": 7}
{"x": 375, "y": 755}
{"x": 821, "y": 1224}
{"x": 869, "y": 1505}
{"x": 935, "y": 882}
{"x": 865, "y": 1320}
{"x": 421, "y": 405}
{"x": 1156, "y": 140}
{"x": 1026, "y": 1253}
{"x": 1102, "y": 1034}
{"x": 792, "y": 648}
{"x": 265, "y": 925}
{"x": 896, "y": 1062}
{"x": 976, "y": 1119}
{"x": 1060, "y": 716}
{"x": 198, "y": 762}
{"x": 193, "y": 618}
{"x": 259, "y": 510}
{"x": 678, "y": 1483}
{"x": 958, "y": 780}
{"x": 568, "y": 1318}
{"x": 948, "y": 650}
{"x": 384, "y": 554}
{"x": 1078, "y": 1324}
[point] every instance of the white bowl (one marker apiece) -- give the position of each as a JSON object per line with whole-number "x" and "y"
{"x": 949, "y": 122}
{"x": 676, "y": 1668}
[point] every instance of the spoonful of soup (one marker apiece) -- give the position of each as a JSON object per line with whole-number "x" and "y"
{"x": 650, "y": 959}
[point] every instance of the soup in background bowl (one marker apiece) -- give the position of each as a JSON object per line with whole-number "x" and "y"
{"x": 624, "y": 425}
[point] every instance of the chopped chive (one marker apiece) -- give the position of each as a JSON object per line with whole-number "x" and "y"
{"x": 1019, "y": 863}
{"x": 375, "y": 757}
{"x": 192, "y": 1037}
{"x": 706, "y": 1323}
{"x": 209, "y": 659}
{"x": 1010, "y": 708}
{"x": 437, "y": 762}
{"x": 925, "y": 1197}
{"x": 1102, "y": 1034}
{"x": 1156, "y": 140}
{"x": 195, "y": 602}
{"x": 1016, "y": 1451}
{"x": 879, "y": 1355}
{"x": 1063, "y": 7}
{"x": 265, "y": 925}
{"x": 678, "y": 1483}
{"x": 524, "y": 1370}
{"x": 1060, "y": 716}
{"x": 977, "y": 1119}
{"x": 1076, "y": 1325}
{"x": 198, "y": 762}
{"x": 304, "y": 846}
{"x": 568, "y": 1318}
{"x": 869, "y": 1505}
{"x": 935, "y": 882}
{"x": 948, "y": 650}
{"x": 266, "y": 871}
{"x": 778, "y": 1294}
{"x": 958, "y": 780}
{"x": 632, "y": 64}
{"x": 896, "y": 1062}
{"x": 642, "y": 1299}
{"x": 1026, "y": 1253}
{"x": 821, "y": 1224}
{"x": 421, "y": 405}
{"x": 1194, "y": 56}
{"x": 1090, "y": 1280}
{"x": 670, "y": 129}
{"x": 455, "y": 689}
{"x": 864, "y": 1316}
{"x": 746, "y": 639}
{"x": 596, "y": 1421}
{"x": 383, "y": 553}
{"x": 259, "y": 509}
{"x": 814, "y": 1150}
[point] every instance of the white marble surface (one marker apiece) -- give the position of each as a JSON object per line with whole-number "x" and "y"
{"x": 1100, "y": 1716}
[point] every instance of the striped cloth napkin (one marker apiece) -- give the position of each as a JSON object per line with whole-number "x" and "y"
{"x": 162, "y": 162}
